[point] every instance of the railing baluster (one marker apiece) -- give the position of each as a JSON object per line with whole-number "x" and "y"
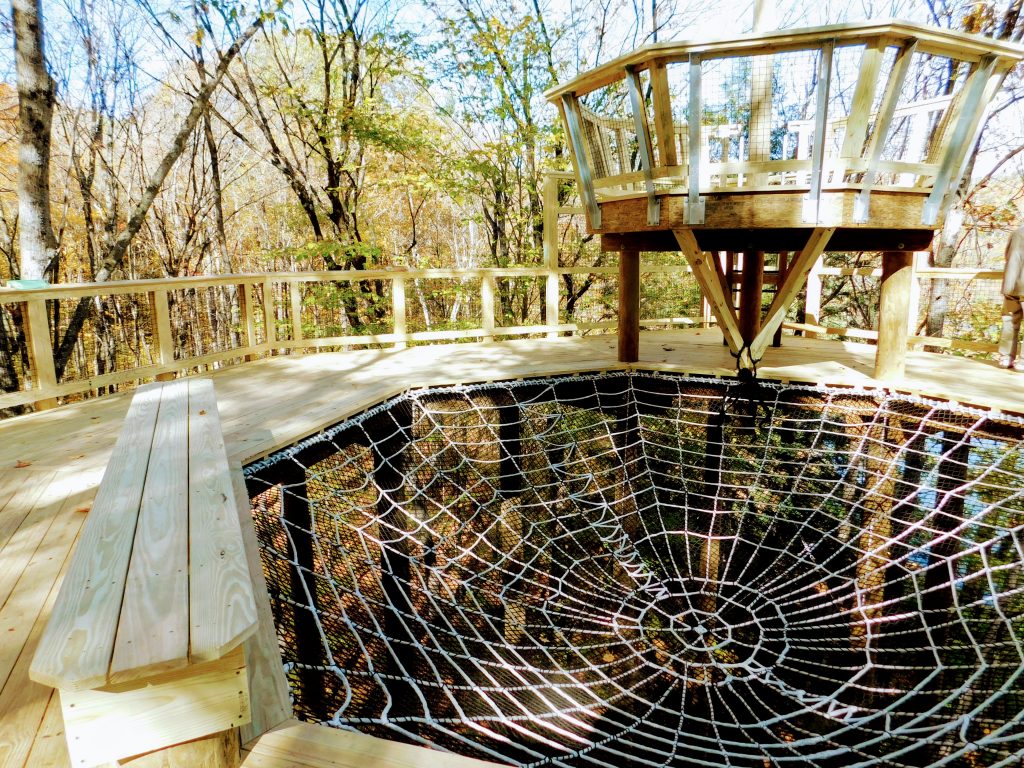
{"x": 487, "y": 306}
{"x": 246, "y": 303}
{"x": 269, "y": 315}
{"x": 295, "y": 308}
{"x": 551, "y": 252}
{"x": 573, "y": 123}
{"x": 398, "y": 311}
{"x": 978, "y": 93}
{"x": 40, "y": 350}
{"x": 160, "y": 305}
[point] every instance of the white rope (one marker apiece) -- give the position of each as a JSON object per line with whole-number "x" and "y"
{"x": 638, "y": 569}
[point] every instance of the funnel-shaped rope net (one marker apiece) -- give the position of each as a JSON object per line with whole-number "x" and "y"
{"x": 644, "y": 570}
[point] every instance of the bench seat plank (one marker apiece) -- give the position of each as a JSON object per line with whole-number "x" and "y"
{"x": 223, "y": 607}
{"x": 152, "y": 635}
{"x": 75, "y": 649}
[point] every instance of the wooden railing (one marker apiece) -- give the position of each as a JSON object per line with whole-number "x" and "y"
{"x": 950, "y": 340}
{"x": 165, "y": 326}
{"x": 159, "y": 328}
{"x": 852, "y": 107}
{"x": 261, "y": 327}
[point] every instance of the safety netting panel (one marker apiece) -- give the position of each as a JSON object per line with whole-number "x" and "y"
{"x": 636, "y": 569}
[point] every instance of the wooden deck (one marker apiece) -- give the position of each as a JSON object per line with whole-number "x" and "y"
{"x": 51, "y": 462}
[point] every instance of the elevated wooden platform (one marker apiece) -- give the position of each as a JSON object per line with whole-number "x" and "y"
{"x": 51, "y": 463}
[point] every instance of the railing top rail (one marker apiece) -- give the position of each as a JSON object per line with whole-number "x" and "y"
{"x": 113, "y": 287}
{"x": 77, "y": 290}
{"x": 943, "y": 42}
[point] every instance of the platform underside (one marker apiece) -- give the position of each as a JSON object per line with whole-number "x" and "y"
{"x": 52, "y": 462}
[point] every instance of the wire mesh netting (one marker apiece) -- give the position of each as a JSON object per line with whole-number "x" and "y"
{"x": 634, "y": 569}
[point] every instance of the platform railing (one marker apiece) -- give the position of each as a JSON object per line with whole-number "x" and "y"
{"x": 972, "y": 291}
{"x": 874, "y": 107}
{"x": 166, "y": 326}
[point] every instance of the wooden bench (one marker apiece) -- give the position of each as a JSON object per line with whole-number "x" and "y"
{"x": 145, "y": 639}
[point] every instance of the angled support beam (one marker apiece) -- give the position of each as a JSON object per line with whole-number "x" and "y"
{"x": 694, "y": 202}
{"x": 574, "y": 124}
{"x": 863, "y": 98}
{"x": 709, "y": 277}
{"x": 810, "y": 212}
{"x": 643, "y": 140}
{"x": 893, "y": 89}
{"x": 794, "y": 280}
{"x": 663, "y": 128}
{"x": 979, "y": 91}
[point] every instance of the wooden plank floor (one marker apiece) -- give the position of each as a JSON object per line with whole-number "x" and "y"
{"x": 51, "y": 462}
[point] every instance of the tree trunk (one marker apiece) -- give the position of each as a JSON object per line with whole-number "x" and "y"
{"x": 35, "y": 114}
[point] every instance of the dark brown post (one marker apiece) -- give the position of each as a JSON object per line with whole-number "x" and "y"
{"x": 729, "y": 270}
{"x": 629, "y": 306}
{"x": 780, "y": 277}
{"x": 893, "y": 308}
{"x": 751, "y": 285}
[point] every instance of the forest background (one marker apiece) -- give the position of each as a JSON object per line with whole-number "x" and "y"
{"x": 224, "y": 137}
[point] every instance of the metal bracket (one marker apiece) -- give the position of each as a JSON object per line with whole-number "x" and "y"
{"x": 810, "y": 207}
{"x": 695, "y": 210}
{"x": 694, "y": 202}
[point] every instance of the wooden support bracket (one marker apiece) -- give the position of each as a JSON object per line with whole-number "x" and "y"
{"x": 118, "y": 722}
{"x": 709, "y": 276}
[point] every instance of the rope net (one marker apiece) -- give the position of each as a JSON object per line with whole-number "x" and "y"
{"x": 642, "y": 570}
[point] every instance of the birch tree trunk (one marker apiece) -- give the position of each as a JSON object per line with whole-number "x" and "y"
{"x": 35, "y": 113}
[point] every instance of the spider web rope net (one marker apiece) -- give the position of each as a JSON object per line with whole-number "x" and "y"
{"x": 643, "y": 570}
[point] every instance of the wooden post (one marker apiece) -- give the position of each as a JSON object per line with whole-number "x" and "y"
{"x": 487, "y": 306}
{"x": 812, "y": 302}
{"x": 164, "y": 336}
{"x": 300, "y": 525}
{"x": 269, "y": 317}
{"x": 914, "y": 309}
{"x": 40, "y": 351}
{"x": 295, "y": 309}
{"x": 551, "y": 252}
{"x": 511, "y": 480}
{"x": 751, "y": 288}
{"x": 398, "y": 311}
{"x": 246, "y": 303}
{"x": 893, "y": 309}
{"x": 629, "y": 306}
{"x": 780, "y": 277}
{"x": 729, "y": 270}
